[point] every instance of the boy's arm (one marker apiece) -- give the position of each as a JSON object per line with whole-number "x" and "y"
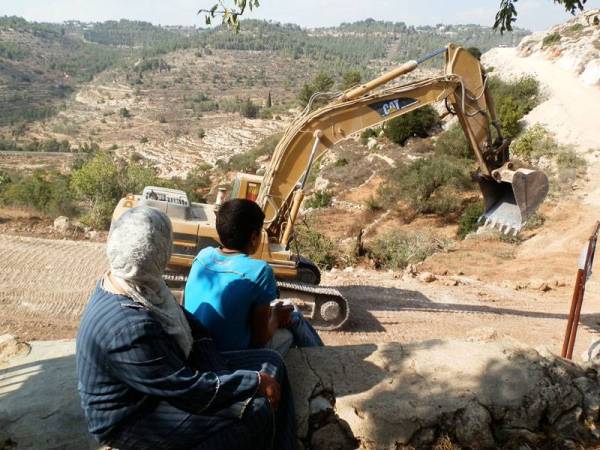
{"x": 264, "y": 321}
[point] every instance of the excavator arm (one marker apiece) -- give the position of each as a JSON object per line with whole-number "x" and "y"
{"x": 510, "y": 196}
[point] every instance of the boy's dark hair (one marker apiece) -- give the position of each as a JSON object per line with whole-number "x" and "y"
{"x": 237, "y": 220}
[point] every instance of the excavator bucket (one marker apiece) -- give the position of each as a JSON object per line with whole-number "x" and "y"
{"x": 511, "y": 200}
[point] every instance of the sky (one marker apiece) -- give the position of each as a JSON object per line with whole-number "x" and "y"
{"x": 534, "y": 15}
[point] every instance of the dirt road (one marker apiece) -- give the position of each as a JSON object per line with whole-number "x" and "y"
{"x": 44, "y": 286}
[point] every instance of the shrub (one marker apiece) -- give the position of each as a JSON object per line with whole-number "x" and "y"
{"x": 414, "y": 123}
{"x": 551, "y": 39}
{"x": 162, "y": 119}
{"x": 350, "y": 79}
{"x": 574, "y": 29}
{"x": 468, "y": 220}
{"x": 143, "y": 140}
{"x": 124, "y": 112}
{"x": 197, "y": 180}
{"x": 427, "y": 184}
{"x": 46, "y": 192}
{"x": 367, "y": 134}
{"x": 397, "y": 249}
{"x": 265, "y": 113}
{"x": 373, "y": 203}
{"x": 201, "y": 133}
{"x": 537, "y": 143}
{"x": 453, "y": 143}
{"x": 97, "y": 179}
{"x": 320, "y": 199}
{"x": 513, "y": 100}
{"x": 321, "y": 83}
{"x": 134, "y": 177}
{"x": 136, "y": 157}
{"x": 249, "y": 109}
{"x": 316, "y": 246}
{"x": 475, "y": 52}
{"x": 510, "y": 112}
{"x": 534, "y": 143}
{"x": 569, "y": 166}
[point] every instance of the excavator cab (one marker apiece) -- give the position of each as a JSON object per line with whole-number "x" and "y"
{"x": 245, "y": 186}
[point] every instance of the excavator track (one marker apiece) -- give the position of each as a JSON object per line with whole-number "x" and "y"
{"x": 325, "y": 307}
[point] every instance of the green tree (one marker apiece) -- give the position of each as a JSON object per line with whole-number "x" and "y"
{"x": 46, "y": 192}
{"x": 321, "y": 83}
{"x": 428, "y": 185}
{"x": 269, "y": 103}
{"x": 97, "y": 179}
{"x": 414, "y": 123}
{"x": 349, "y": 79}
{"x": 475, "y": 52}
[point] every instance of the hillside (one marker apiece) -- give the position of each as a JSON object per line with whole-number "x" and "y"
{"x": 69, "y": 82}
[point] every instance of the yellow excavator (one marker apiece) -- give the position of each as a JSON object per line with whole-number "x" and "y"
{"x": 511, "y": 195}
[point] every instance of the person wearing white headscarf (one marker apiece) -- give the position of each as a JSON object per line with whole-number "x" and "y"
{"x": 138, "y": 251}
{"x": 149, "y": 376}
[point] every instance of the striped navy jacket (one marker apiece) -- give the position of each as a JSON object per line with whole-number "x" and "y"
{"x": 126, "y": 361}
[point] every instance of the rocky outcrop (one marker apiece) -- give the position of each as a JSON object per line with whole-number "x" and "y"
{"x": 482, "y": 393}
{"x": 574, "y": 45}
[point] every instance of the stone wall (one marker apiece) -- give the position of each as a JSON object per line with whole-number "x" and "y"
{"x": 481, "y": 394}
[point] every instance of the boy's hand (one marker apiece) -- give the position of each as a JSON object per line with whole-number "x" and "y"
{"x": 269, "y": 388}
{"x": 284, "y": 314}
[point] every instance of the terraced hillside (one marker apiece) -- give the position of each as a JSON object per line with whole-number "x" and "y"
{"x": 173, "y": 95}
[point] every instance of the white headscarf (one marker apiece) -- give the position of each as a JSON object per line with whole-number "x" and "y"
{"x": 139, "y": 247}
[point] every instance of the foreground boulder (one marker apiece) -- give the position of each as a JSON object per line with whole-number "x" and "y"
{"x": 480, "y": 394}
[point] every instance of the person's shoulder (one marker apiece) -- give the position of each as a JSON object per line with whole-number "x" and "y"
{"x": 258, "y": 268}
{"x": 206, "y": 253}
{"x": 108, "y": 312}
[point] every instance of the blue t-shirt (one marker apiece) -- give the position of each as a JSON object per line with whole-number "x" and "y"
{"x": 221, "y": 292}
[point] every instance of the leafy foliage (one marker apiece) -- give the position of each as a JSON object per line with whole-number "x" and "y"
{"x": 513, "y": 101}
{"x": 228, "y": 15}
{"x": 533, "y": 144}
{"x": 468, "y": 220}
{"x": 428, "y": 185}
{"x": 47, "y": 192}
{"x": 350, "y": 79}
{"x": 367, "y": 134}
{"x": 551, "y": 39}
{"x": 316, "y": 246}
{"x": 537, "y": 146}
{"x": 321, "y": 83}
{"x": 507, "y": 14}
{"x": 249, "y": 110}
{"x": 475, "y": 52}
{"x": 414, "y": 123}
{"x": 453, "y": 142}
{"x": 320, "y": 199}
{"x": 397, "y": 249}
{"x": 102, "y": 180}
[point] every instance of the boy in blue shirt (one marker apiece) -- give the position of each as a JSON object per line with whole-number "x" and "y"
{"x": 230, "y": 293}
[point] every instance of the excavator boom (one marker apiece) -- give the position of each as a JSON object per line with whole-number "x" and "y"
{"x": 510, "y": 196}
